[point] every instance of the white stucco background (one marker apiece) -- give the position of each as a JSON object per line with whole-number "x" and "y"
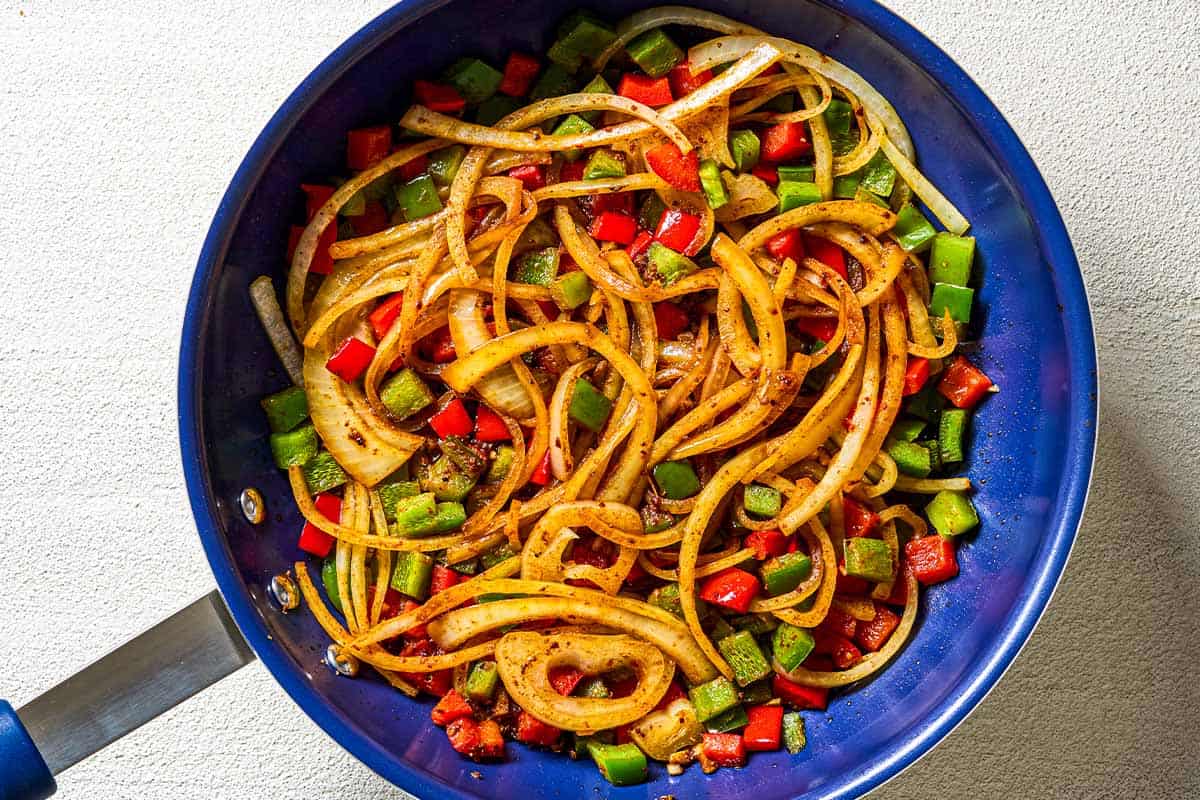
{"x": 120, "y": 125}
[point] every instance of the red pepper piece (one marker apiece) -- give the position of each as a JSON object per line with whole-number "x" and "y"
{"x": 613, "y": 226}
{"x": 839, "y": 648}
{"x": 519, "y": 72}
{"x": 313, "y": 540}
{"x": 453, "y": 420}
{"x": 915, "y": 375}
{"x": 442, "y": 579}
{"x": 322, "y": 262}
{"x": 438, "y": 96}
{"x": 818, "y": 662}
{"x": 531, "y": 175}
{"x": 670, "y": 319}
{"x": 827, "y": 253}
{"x": 611, "y": 201}
{"x": 765, "y": 728}
{"x": 899, "y": 595}
{"x": 439, "y": 347}
{"x": 491, "y": 740}
{"x": 452, "y": 706}
{"x": 548, "y": 308}
{"x": 725, "y": 749}
{"x": 641, "y": 244}
{"x": 677, "y": 230}
{"x": 622, "y": 687}
{"x": 931, "y": 558}
{"x": 788, "y": 244}
{"x": 413, "y": 167}
{"x": 565, "y": 679}
{"x": 463, "y": 734}
{"x": 541, "y": 475}
{"x": 417, "y": 633}
{"x": 872, "y": 635}
{"x": 373, "y": 219}
{"x": 821, "y": 328}
{"x": 351, "y": 359}
{"x": 366, "y": 147}
{"x": 731, "y": 588}
{"x": 653, "y": 92}
{"x": 571, "y": 171}
{"x": 623, "y": 736}
{"x": 674, "y": 692}
{"x": 635, "y": 574}
{"x": 839, "y": 622}
{"x": 849, "y": 584}
{"x": 435, "y": 683}
{"x": 384, "y": 315}
{"x": 684, "y": 81}
{"x": 668, "y": 163}
{"x": 767, "y": 173}
{"x": 489, "y": 427}
{"x": 767, "y": 544}
{"x": 860, "y": 520}
{"x": 785, "y": 141}
{"x": 532, "y": 730}
{"x": 315, "y": 196}
{"x": 964, "y": 384}
{"x": 799, "y": 695}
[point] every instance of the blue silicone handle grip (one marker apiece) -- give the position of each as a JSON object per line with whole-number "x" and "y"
{"x": 23, "y": 771}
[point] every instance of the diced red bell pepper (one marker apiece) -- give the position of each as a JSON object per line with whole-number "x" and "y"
{"x": 413, "y": 167}
{"x": 767, "y": 544}
{"x": 438, "y": 96}
{"x": 442, "y": 579}
{"x": 838, "y": 647}
{"x": 964, "y": 384}
{"x": 827, "y": 253}
{"x": 818, "y": 662}
{"x": 532, "y": 175}
{"x": 541, "y": 474}
{"x": 322, "y": 262}
{"x": 799, "y": 695}
{"x": 731, "y": 588}
{"x": 373, "y": 219}
{"x": 439, "y": 346}
{"x": 785, "y": 141}
{"x": 839, "y": 622}
{"x": 613, "y": 226}
{"x": 641, "y": 243}
{"x": 393, "y": 602}
{"x": 435, "y": 683}
{"x": 679, "y": 170}
{"x": 931, "y": 558}
{"x": 611, "y": 201}
{"x": 622, "y": 687}
{"x": 351, "y": 359}
{"x": 384, "y": 315}
{"x": 872, "y": 635}
{"x": 915, "y": 375}
{"x": 860, "y": 520}
{"x": 766, "y": 173}
{"x": 548, "y": 308}
{"x": 788, "y": 244}
{"x": 674, "y": 692}
{"x": 315, "y": 196}
{"x": 571, "y": 171}
{"x": 491, "y": 740}
{"x": 519, "y": 72}
{"x": 765, "y": 728}
{"x": 670, "y": 319}
{"x": 532, "y": 730}
{"x": 313, "y": 540}
{"x": 899, "y": 595}
{"x": 417, "y": 633}
{"x": 635, "y": 574}
{"x": 565, "y": 679}
{"x": 684, "y": 81}
{"x": 725, "y": 749}
{"x": 463, "y": 734}
{"x": 453, "y": 420}
{"x": 677, "y": 230}
{"x": 849, "y": 584}
{"x": 489, "y": 427}
{"x": 653, "y": 92}
{"x": 452, "y": 706}
{"x": 366, "y": 147}
{"x": 822, "y": 328}
{"x": 623, "y": 736}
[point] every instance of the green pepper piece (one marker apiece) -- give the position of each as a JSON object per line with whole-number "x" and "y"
{"x": 757, "y": 693}
{"x": 869, "y": 559}
{"x": 676, "y": 479}
{"x": 392, "y": 493}
{"x": 620, "y": 764}
{"x": 655, "y": 520}
{"x": 537, "y": 267}
{"x": 951, "y": 257}
{"x": 879, "y": 176}
{"x": 666, "y": 597}
{"x": 418, "y": 198}
{"x": 935, "y": 453}
{"x": 404, "y": 394}
{"x": 495, "y": 108}
{"x": 955, "y": 299}
{"x": 651, "y": 211}
{"x": 537, "y": 235}
{"x": 379, "y": 189}
{"x": 710, "y": 181}
{"x": 911, "y": 458}
{"x": 603, "y": 164}
{"x": 285, "y": 410}
{"x": 669, "y": 265}
{"x": 415, "y": 516}
{"x": 571, "y": 125}
{"x": 581, "y": 34}
{"x": 447, "y": 481}
{"x": 794, "y": 738}
{"x": 762, "y": 501}
{"x": 951, "y": 513}
{"x": 845, "y": 187}
{"x": 553, "y": 82}
{"x": 444, "y": 163}
{"x": 951, "y": 427}
{"x": 784, "y": 573}
{"x": 927, "y": 403}
{"x": 323, "y": 473}
{"x": 912, "y": 230}
{"x": 596, "y": 85}
{"x": 294, "y": 448}
{"x": 468, "y": 567}
{"x": 572, "y": 290}
{"x": 907, "y": 429}
{"x": 745, "y": 657}
{"x": 475, "y": 80}
{"x": 781, "y": 103}
{"x": 654, "y": 52}
{"x": 595, "y": 688}
{"x": 838, "y": 116}
{"x": 745, "y": 149}
{"x": 356, "y": 206}
{"x": 791, "y": 645}
{"x": 449, "y": 516}
{"x": 496, "y": 556}
{"x": 797, "y": 174}
{"x": 482, "y": 680}
{"x": 793, "y": 194}
{"x": 863, "y": 196}
{"x": 755, "y": 624}
{"x": 412, "y": 574}
{"x": 712, "y": 698}
{"x": 589, "y": 407}
{"x": 731, "y": 720}
{"x": 718, "y": 628}
{"x": 502, "y": 461}
{"x": 329, "y": 579}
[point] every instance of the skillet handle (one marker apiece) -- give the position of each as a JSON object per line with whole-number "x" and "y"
{"x": 150, "y": 674}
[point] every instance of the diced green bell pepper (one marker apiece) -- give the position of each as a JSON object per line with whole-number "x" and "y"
{"x": 757, "y": 693}
{"x": 911, "y": 458}
{"x": 781, "y": 103}
{"x": 571, "y": 125}
{"x": 412, "y": 574}
{"x": 589, "y": 407}
{"x": 791, "y": 645}
{"x": 669, "y": 265}
{"x": 496, "y": 108}
{"x": 553, "y": 82}
{"x": 655, "y": 520}
{"x": 404, "y": 394}
{"x": 449, "y": 517}
{"x": 951, "y": 257}
{"x": 581, "y": 34}
{"x": 955, "y": 299}
{"x": 755, "y": 624}
{"x": 745, "y": 149}
{"x": 496, "y": 556}
{"x": 912, "y": 230}
{"x": 285, "y": 410}
{"x": 620, "y": 764}
{"x": 846, "y": 186}
{"x": 654, "y": 52}
{"x": 503, "y": 458}
{"x": 415, "y": 516}
{"x": 392, "y": 493}
{"x": 951, "y": 428}
{"x": 838, "y": 116}
{"x": 935, "y": 453}
{"x": 447, "y": 481}
{"x": 745, "y": 657}
{"x": 794, "y": 737}
{"x": 666, "y": 597}
{"x": 329, "y": 579}
{"x": 444, "y": 163}
{"x": 869, "y": 559}
{"x": 596, "y": 85}
{"x": 712, "y": 698}
{"x": 294, "y": 448}
{"x": 793, "y": 194}
{"x": 356, "y": 206}
{"x": 784, "y": 573}
{"x": 796, "y": 174}
{"x": 762, "y": 501}
{"x": 572, "y": 290}
{"x": 482, "y": 680}
{"x": 863, "y": 196}
{"x": 651, "y": 211}
{"x": 718, "y": 628}
{"x": 927, "y": 403}
{"x": 907, "y": 429}
{"x": 676, "y": 479}
{"x": 538, "y": 267}
{"x": 468, "y": 567}
{"x": 418, "y": 198}
{"x": 879, "y": 176}
{"x": 731, "y": 720}
{"x": 710, "y": 181}
{"x": 603, "y": 164}
{"x": 323, "y": 473}
{"x": 595, "y": 688}
{"x": 951, "y": 513}
{"x": 475, "y": 80}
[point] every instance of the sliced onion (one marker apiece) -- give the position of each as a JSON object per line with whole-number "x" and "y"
{"x": 500, "y": 388}
{"x": 635, "y": 24}
{"x": 748, "y": 195}
{"x": 662, "y": 733}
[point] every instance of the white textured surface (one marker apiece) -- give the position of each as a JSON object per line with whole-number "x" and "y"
{"x": 123, "y": 122}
